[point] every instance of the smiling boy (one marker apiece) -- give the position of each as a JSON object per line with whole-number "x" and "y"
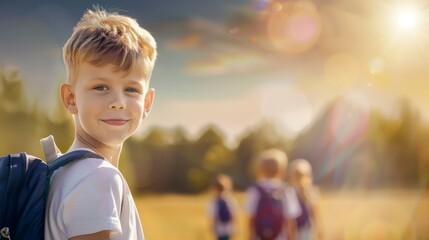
{"x": 109, "y": 60}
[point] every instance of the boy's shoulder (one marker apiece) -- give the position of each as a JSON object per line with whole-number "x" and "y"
{"x": 91, "y": 171}
{"x": 286, "y": 191}
{"x": 90, "y": 166}
{"x": 272, "y": 183}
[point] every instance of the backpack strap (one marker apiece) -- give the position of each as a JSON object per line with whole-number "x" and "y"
{"x": 261, "y": 190}
{"x": 70, "y": 157}
{"x": 264, "y": 191}
{"x": 66, "y": 159}
{"x": 50, "y": 149}
{"x": 56, "y": 159}
{"x": 277, "y": 192}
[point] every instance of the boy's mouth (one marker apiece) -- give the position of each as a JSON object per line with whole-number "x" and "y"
{"x": 115, "y": 122}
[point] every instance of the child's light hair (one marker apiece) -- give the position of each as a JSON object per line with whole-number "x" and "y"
{"x": 101, "y": 37}
{"x": 302, "y": 166}
{"x": 271, "y": 162}
{"x": 301, "y": 172}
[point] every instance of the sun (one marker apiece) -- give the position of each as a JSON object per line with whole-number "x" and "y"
{"x": 407, "y": 20}
{"x": 406, "y": 25}
{"x": 402, "y": 32}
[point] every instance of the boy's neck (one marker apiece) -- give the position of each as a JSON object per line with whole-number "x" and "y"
{"x": 112, "y": 154}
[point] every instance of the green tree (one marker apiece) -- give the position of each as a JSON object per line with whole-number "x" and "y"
{"x": 18, "y": 124}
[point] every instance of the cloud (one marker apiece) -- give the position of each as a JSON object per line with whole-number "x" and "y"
{"x": 224, "y": 64}
{"x": 190, "y": 41}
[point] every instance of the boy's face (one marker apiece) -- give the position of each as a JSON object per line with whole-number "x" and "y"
{"x": 108, "y": 105}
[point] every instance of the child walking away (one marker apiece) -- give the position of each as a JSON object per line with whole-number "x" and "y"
{"x": 308, "y": 222}
{"x": 271, "y": 205}
{"x": 222, "y": 208}
{"x": 109, "y": 60}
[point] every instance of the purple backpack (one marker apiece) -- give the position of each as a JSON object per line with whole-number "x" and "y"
{"x": 268, "y": 220}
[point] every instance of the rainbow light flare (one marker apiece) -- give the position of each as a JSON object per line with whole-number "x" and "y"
{"x": 348, "y": 125}
{"x": 293, "y": 26}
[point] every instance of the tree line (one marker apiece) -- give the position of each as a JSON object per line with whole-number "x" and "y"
{"x": 353, "y": 149}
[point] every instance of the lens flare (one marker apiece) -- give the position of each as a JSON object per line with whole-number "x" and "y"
{"x": 349, "y": 118}
{"x": 293, "y": 26}
{"x": 348, "y": 123}
{"x": 376, "y": 65}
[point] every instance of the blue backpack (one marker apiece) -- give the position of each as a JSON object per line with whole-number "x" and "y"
{"x": 268, "y": 220}
{"x": 224, "y": 213}
{"x": 24, "y": 186}
{"x": 304, "y": 218}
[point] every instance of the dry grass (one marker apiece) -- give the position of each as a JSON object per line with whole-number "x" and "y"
{"x": 346, "y": 216}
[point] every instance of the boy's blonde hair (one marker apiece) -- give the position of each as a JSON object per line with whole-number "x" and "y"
{"x": 271, "y": 162}
{"x": 102, "y": 37}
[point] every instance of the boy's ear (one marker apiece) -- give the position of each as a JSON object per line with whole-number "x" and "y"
{"x": 68, "y": 98}
{"x": 148, "y": 102}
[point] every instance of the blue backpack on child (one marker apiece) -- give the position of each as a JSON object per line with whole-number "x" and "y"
{"x": 268, "y": 220}
{"x": 224, "y": 213}
{"x": 24, "y": 186}
{"x": 304, "y": 218}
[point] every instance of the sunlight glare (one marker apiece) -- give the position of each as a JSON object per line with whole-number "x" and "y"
{"x": 407, "y": 20}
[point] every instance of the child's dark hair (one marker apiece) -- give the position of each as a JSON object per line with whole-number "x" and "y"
{"x": 222, "y": 182}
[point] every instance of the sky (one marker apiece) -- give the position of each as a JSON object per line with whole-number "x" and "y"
{"x": 231, "y": 63}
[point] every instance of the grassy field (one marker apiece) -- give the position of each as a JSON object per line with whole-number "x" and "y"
{"x": 346, "y": 216}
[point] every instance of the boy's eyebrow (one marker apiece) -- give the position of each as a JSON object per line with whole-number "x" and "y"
{"x": 98, "y": 78}
{"x": 139, "y": 81}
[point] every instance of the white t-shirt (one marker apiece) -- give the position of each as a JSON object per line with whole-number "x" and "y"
{"x": 223, "y": 229}
{"x": 291, "y": 207}
{"x": 88, "y": 196}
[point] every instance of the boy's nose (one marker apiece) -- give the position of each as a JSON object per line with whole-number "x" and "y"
{"x": 117, "y": 106}
{"x": 118, "y": 103}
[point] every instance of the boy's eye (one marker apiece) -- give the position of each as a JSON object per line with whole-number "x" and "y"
{"x": 132, "y": 90}
{"x": 101, "y": 88}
